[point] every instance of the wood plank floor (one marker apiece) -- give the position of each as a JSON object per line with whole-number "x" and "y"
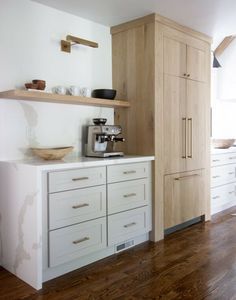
{"x": 196, "y": 263}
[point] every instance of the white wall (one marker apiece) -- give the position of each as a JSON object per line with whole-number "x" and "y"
{"x": 224, "y": 95}
{"x": 30, "y": 35}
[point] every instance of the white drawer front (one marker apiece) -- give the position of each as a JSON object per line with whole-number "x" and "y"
{"x": 127, "y": 195}
{"x": 223, "y": 197}
{"x": 129, "y": 224}
{"x": 78, "y": 178}
{"x": 72, "y": 242}
{"x": 231, "y": 158}
{"x": 217, "y": 160}
{"x": 70, "y": 207}
{"x": 127, "y": 172}
{"x": 223, "y": 175}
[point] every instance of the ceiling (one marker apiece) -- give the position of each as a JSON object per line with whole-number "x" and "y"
{"x": 216, "y": 18}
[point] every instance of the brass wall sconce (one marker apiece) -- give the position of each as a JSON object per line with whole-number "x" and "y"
{"x": 73, "y": 40}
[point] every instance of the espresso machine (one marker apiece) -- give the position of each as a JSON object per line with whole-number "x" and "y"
{"x": 101, "y": 139}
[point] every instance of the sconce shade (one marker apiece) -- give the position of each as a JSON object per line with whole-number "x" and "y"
{"x": 216, "y": 63}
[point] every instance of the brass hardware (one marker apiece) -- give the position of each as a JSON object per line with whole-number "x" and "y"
{"x": 230, "y": 173}
{"x": 73, "y": 40}
{"x": 80, "y": 178}
{"x": 215, "y": 160}
{"x": 129, "y": 172}
{"x": 188, "y": 75}
{"x": 129, "y": 225}
{"x": 185, "y": 138}
{"x": 129, "y": 195}
{"x": 186, "y": 177}
{"x": 232, "y": 157}
{"x": 232, "y": 192}
{"x": 216, "y": 176}
{"x": 185, "y": 74}
{"x": 190, "y": 140}
{"x": 216, "y": 197}
{"x": 81, "y": 240}
{"x": 80, "y": 205}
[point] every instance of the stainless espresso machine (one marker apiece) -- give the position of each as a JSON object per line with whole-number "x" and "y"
{"x": 101, "y": 139}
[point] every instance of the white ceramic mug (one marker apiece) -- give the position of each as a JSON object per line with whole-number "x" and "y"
{"x": 74, "y": 90}
{"x": 60, "y": 90}
{"x": 85, "y": 92}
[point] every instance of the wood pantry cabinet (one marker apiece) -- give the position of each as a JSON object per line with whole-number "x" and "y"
{"x": 163, "y": 70}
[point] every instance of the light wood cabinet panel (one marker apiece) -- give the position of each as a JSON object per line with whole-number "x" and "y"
{"x": 196, "y": 124}
{"x": 174, "y": 57}
{"x": 183, "y": 197}
{"x": 175, "y": 124}
{"x": 196, "y": 64}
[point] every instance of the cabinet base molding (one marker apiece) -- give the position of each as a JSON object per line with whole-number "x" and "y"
{"x": 184, "y": 225}
{"x": 51, "y": 273}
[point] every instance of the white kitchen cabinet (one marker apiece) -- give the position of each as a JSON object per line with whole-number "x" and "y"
{"x": 69, "y": 214}
{"x": 223, "y": 180}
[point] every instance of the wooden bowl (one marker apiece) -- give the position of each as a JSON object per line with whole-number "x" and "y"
{"x": 223, "y": 143}
{"x": 52, "y": 153}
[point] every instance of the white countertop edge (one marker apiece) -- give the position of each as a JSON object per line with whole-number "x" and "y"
{"x": 81, "y": 162}
{"x": 223, "y": 151}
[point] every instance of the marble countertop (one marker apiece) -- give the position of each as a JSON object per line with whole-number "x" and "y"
{"x": 80, "y": 162}
{"x": 223, "y": 151}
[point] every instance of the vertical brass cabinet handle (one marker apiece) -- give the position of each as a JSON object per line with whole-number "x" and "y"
{"x": 80, "y": 205}
{"x": 190, "y": 138}
{"x": 129, "y": 195}
{"x": 80, "y": 240}
{"x": 129, "y": 172}
{"x": 80, "y": 178}
{"x": 187, "y": 176}
{"x": 129, "y": 225}
{"x": 184, "y": 133}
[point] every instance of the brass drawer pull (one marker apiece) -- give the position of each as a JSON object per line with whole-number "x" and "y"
{"x": 216, "y": 176}
{"x": 215, "y": 160}
{"x": 184, "y": 128}
{"x": 129, "y": 225}
{"x": 129, "y": 172}
{"x": 190, "y": 137}
{"x": 129, "y": 195}
{"x": 187, "y": 176}
{"x": 232, "y": 192}
{"x": 81, "y": 240}
{"x": 80, "y": 178}
{"x": 231, "y": 173}
{"x": 232, "y": 157}
{"x": 216, "y": 197}
{"x": 80, "y": 205}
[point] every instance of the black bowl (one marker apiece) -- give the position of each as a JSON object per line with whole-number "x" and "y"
{"x": 104, "y": 94}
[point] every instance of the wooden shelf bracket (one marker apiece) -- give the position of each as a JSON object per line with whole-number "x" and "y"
{"x": 73, "y": 40}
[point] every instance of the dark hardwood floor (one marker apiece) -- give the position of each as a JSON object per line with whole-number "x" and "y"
{"x": 196, "y": 263}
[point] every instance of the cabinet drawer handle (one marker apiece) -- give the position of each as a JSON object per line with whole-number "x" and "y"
{"x": 129, "y": 195}
{"x": 190, "y": 137}
{"x": 188, "y": 75}
{"x": 215, "y": 160}
{"x": 80, "y": 178}
{"x": 80, "y": 205}
{"x": 232, "y": 192}
{"x": 216, "y": 176}
{"x": 129, "y": 225}
{"x": 216, "y": 197}
{"x": 232, "y": 157}
{"x": 129, "y": 172}
{"x": 187, "y": 176}
{"x": 184, "y": 128}
{"x": 81, "y": 240}
{"x": 231, "y": 173}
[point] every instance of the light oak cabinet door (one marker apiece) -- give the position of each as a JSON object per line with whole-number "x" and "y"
{"x": 196, "y": 64}
{"x": 175, "y": 124}
{"x": 174, "y": 57}
{"x": 196, "y": 124}
{"x": 184, "y": 197}
{"x": 183, "y": 60}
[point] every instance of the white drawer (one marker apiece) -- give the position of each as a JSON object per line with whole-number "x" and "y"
{"x": 223, "y": 175}
{"x": 70, "y": 207}
{"x": 127, "y": 195}
{"x": 223, "y": 159}
{"x": 129, "y": 224}
{"x": 223, "y": 197}
{"x": 78, "y": 178}
{"x": 127, "y": 172}
{"x": 75, "y": 241}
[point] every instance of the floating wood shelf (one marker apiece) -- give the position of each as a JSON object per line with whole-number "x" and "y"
{"x": 63, "y": 99}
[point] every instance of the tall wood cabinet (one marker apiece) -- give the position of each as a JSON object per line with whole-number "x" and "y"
{"x": 163, "y": 70}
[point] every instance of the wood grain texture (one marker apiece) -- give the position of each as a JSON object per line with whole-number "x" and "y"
{"x": 224, "y": 44}
{"x": 62, "y": 99}
{"x": 196, "y": 263}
